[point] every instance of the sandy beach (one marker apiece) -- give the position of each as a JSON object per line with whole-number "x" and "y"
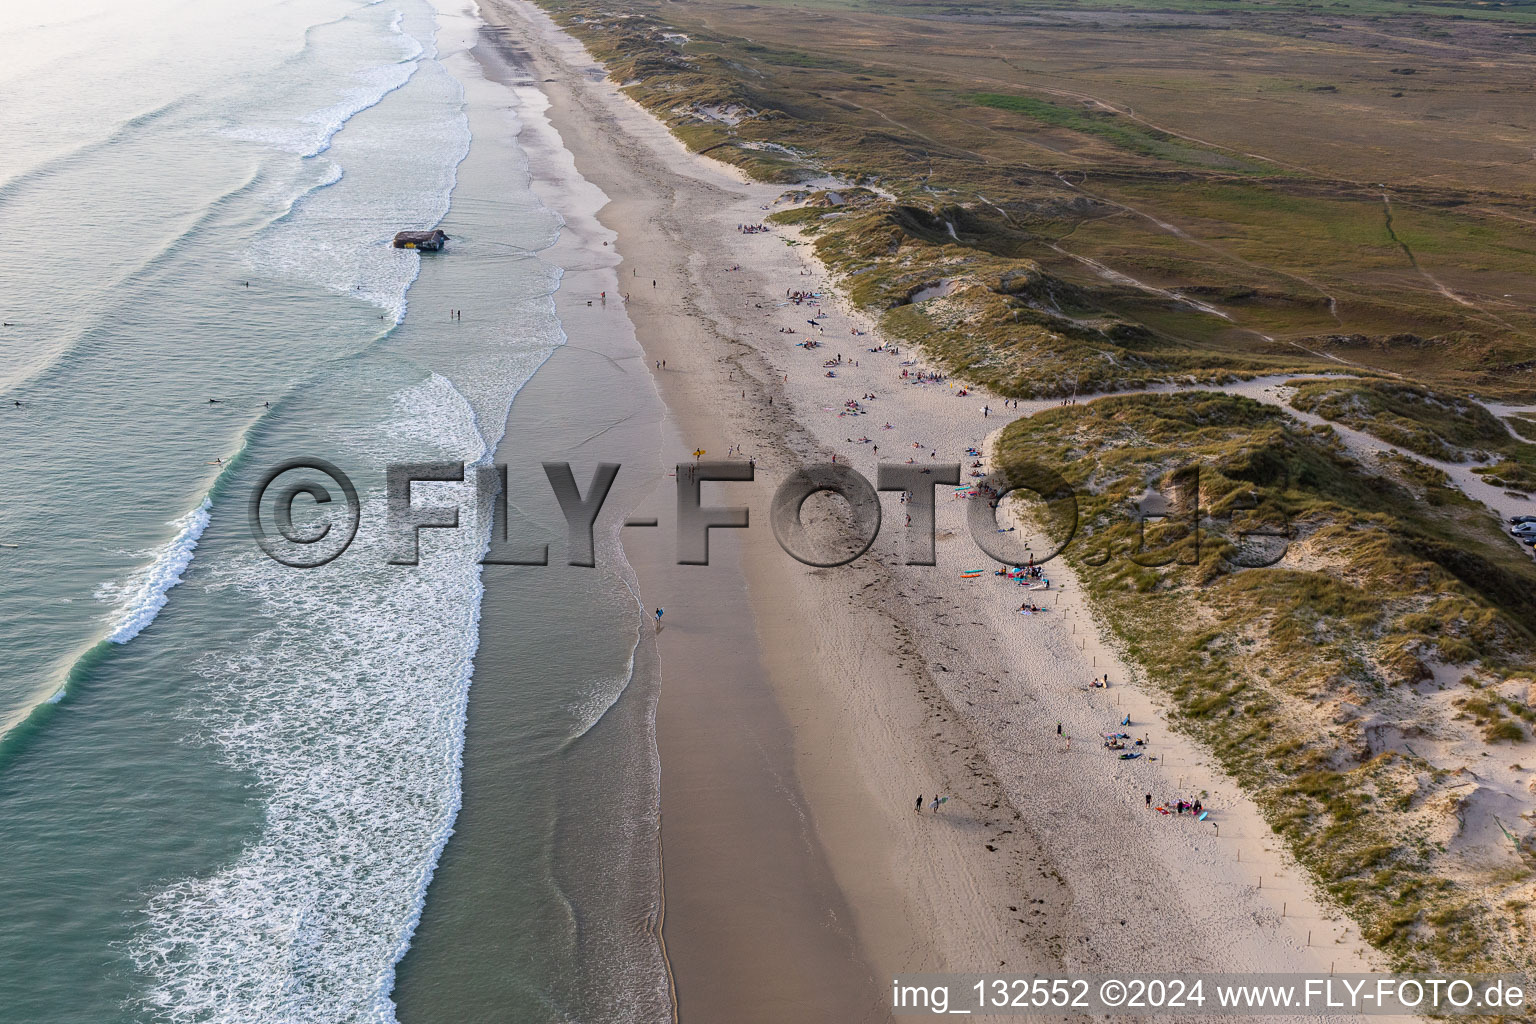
{"x": 803, "y": 710}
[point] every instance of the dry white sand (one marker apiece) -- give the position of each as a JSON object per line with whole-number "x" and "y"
{"x": 895, "y": 680}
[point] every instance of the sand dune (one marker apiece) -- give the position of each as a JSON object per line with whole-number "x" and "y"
{"x": 892, "y": 680}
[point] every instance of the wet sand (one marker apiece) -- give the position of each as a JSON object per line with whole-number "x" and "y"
{"x": 784, "y": 883}
{"x": 802, "y": 710}
{"x": 755, "y": 925}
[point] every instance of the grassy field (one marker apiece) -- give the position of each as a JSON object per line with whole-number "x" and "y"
{"x": 1350, "y": 179}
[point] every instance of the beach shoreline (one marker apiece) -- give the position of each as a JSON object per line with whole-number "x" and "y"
{"x": 872, "y": 676}
{"x": 557, "y": 830}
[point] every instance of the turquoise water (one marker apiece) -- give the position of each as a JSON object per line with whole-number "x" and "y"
{"x": 224, "y": 783}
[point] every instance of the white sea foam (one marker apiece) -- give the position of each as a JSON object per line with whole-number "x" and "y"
{"x": 143, "y": 595}
{"x": 348, "y": 705}
{"x": 396, "y": 172}
{"x": 347, "y": 66}
{"x": 310, "y": 133}
{"x": 348, "y": 708}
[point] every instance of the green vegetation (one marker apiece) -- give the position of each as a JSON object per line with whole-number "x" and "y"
{"x": 1427, "y": 422}
{"x": 1277, "y": 669}
{"x": 1115, "y": 193}
{"x": 1513, "y": 11}
{"x": 1122, "y": 132}
{"x": 1200, "y": 213}
{"x": 1418, "y": 419}
{"x": 1009, "y": 324}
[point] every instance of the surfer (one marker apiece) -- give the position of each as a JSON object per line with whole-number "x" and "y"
{"x": 213, "y": 401}
{"x": 919, "y": 807}
{"x": 659, "y": 613}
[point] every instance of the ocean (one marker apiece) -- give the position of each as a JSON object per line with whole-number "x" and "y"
{"x": 226, "y": 784}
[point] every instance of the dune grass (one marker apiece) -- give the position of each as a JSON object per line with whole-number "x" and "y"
{"x": 1122, "y": 193}
{"x": 1119, "y": 195}
{"x": 1276, "y": 668}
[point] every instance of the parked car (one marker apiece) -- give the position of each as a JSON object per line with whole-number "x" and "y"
{"x": 1523, "y": 529}
{"x": 1517, "y": 520}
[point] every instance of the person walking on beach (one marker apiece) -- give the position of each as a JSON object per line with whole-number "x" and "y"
{"x": 1058, "y": 728}
{"x": 1149, "y": 801}
{"x": 919, "y": 808}
{"x": 659, "y": 613}
{"x": 937, "y": 802}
